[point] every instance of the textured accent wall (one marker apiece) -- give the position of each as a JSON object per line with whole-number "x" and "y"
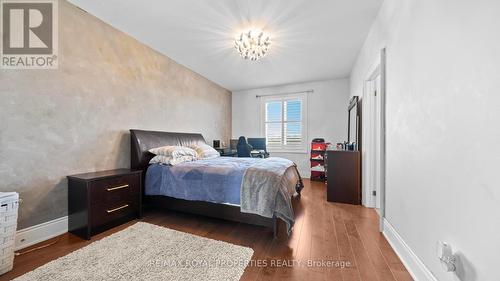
{"x": 76, "y": 119}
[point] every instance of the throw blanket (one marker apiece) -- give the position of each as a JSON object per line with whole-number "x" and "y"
{"x": 263, "y": 193}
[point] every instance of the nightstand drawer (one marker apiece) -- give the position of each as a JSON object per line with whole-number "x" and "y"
{"x": 103, "y": 214}
{"x": 114, "y": 190}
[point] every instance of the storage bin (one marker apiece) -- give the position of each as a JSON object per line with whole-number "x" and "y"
{"x": 9, "y": 202}
{"x": 318, "y": 149}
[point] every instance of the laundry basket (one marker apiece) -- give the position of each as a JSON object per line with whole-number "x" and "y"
{"x": 9, "y": 202}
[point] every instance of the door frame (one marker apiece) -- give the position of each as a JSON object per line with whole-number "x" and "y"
{"x": 377, "y": 68}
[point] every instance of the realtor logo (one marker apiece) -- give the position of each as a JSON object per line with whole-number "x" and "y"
{"x": 29, "y": 34}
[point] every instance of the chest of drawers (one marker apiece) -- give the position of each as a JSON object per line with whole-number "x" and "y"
{"x": 344, "y": 176}
{"x": 101, "y": 200}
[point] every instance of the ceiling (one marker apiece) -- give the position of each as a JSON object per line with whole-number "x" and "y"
{"x": 311, "y": 39}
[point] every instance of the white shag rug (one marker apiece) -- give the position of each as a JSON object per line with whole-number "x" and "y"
{"x": 145, "y": 251}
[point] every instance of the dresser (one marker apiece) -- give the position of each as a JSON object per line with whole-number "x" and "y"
{"x": 101, "y": 200}
{"x": 343, "y": 176}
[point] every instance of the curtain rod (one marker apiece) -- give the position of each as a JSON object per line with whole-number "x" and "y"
{"x": 283, "y": 94}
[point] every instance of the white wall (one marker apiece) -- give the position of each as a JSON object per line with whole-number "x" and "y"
{"x": 443, "y": 81}
{"x": 327, "y": 110}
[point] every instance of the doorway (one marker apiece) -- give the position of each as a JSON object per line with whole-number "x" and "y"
{"x": 375, "y": 133}
{"x": 374, "y": 145}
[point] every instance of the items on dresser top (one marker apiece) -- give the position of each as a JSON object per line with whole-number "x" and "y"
{"x": 351, "y": 146}
{"x": 101, "y": 200}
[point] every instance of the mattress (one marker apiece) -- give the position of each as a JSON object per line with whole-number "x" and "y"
{"x": 216, "y": 180}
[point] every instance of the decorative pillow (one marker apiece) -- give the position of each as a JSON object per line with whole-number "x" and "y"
{"x": 205, "y": 151}
{"x": 174, "y": 151}
{"x": 167, "y": 160}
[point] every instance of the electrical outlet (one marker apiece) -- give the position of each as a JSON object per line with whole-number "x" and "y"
{"x": 446, "y": 256}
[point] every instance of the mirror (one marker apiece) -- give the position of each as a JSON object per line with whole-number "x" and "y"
{"x": 353, "y": 121}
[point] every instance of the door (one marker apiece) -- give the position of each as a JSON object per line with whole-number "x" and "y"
{"x": 372, "y": 149}
{"x": 377, "y": 132}
{"x": 374, "y": 94}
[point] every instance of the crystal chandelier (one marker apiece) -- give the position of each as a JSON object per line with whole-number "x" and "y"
{"x": 252, "y": 44}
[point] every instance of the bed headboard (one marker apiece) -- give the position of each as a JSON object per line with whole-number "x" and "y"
{"x": 142, "y": 141}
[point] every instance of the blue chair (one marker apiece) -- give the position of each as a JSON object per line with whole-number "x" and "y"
{"x": 243, "y": 148}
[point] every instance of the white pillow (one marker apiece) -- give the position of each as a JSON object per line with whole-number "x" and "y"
{"x": 167, "y": 160}
{"x": 174, "y": 151}
{"x": 205, "y": 151}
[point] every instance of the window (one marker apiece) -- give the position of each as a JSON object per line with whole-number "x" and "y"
{"x": 284, "y": 123}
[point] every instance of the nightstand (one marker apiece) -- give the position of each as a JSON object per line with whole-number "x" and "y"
{"x": 101, "y": 200}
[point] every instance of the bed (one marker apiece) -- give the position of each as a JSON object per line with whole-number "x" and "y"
{"x": 208, "y": 187}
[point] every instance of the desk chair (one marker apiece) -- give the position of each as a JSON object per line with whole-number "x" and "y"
{"x": 244, "y": 149}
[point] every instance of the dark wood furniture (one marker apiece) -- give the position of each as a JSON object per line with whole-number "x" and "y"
{"x": 229, "y": 153}
{"x": 344, "y": 180}
{"x": 142, "y": 141}
{"x": 226, "y": 151}
{"x": 101, "y": 200}
{"x": 220, "y": 149}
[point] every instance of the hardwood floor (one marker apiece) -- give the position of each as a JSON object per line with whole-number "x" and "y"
{"x": 323, "y": 231}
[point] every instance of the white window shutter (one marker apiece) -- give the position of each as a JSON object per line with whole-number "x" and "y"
{"x": 284, "y": 123}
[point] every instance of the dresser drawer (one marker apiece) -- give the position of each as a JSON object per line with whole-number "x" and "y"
{"x": 103, "y": 213}
{"x": 112, "y": 191}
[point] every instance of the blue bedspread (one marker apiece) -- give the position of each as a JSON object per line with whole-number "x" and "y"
{"x": 202, "y": 180}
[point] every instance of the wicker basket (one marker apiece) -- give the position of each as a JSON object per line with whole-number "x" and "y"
{"x": 9, "y": 202}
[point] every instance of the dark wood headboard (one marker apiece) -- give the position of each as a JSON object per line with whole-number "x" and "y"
{"x": 142, "y": 141}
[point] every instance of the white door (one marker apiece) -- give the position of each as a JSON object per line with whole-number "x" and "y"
{"x": 377, "y": 128}
{"x": 374, "y": 135}
{"x": 373, "y": 141}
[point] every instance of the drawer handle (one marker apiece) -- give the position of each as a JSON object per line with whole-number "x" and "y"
{"x": 116, "y": 209}
{"x": 117, "y": 187}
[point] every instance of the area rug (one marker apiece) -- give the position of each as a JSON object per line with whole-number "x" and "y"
{"x": 145, "y": 251}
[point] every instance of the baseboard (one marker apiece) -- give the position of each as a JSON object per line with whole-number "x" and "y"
{"x": 41, "y": 232}
{"x": 413, "y": 264}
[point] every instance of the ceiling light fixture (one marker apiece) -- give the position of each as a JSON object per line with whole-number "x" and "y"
{"x": 252, "y": 44}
